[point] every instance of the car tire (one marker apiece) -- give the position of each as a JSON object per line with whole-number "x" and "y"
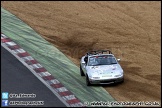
{"x": 122, "y": 81}
{"x": 81, "y": 71}
{"x": 87, "y": 81}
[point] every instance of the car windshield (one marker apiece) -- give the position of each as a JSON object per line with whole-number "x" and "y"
{"x": 101, "y": 60}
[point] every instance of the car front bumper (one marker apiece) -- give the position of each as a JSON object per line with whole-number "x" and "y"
{"x": 107, "y": 81}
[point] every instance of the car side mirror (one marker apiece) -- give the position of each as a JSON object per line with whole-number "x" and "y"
{"x": 83, "y": 62}
{"x": 118, "y": 60}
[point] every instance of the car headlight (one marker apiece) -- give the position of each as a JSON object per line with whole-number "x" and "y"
{"x": 118, "y": 75}
{"x": 96, "y": 77}
{"x": 121, "y": 72}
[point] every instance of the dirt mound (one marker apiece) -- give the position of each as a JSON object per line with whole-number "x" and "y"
{"x": 132, "y": 30}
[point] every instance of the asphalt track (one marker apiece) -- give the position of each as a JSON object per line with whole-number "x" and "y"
{"x": 16, "y": 78}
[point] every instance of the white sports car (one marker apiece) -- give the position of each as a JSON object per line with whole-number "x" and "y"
{"x": 101, "y": 68}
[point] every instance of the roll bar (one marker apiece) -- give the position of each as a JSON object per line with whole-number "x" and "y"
{"x": 98, "y": 52}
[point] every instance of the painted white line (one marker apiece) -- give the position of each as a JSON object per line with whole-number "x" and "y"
{"x": 42, "y": 74}
{"x": 34, "y": 66}
{"x": 10, "y": 43}
{"x": 31, "y": 69}
{"x": 68, "y": 97}
{"x": 20, "y": 50}
{"x": 2, "y": 35}
{"x": 61, "y": 89}
{"x": 28, "y": 58}
{"x": 46, "y": 73}
{"x": 54, "y": 81}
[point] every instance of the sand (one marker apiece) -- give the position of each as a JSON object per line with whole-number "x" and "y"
{"x": 132, "y": 30}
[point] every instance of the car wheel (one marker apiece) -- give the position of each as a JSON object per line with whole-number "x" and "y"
{"x": 122, "y": 81}
{"x": 81, "y": 71}
{"x": 87, "y": 81}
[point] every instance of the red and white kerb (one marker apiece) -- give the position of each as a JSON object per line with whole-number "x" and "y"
{"x": 23, "y": 56}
